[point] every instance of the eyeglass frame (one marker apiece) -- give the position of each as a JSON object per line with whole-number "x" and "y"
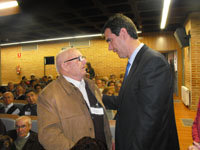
{"x": 80, "y": 58}
{"x": 22, "y": 126}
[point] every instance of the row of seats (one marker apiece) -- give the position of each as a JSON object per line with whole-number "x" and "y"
{"x": 9, "y": 121}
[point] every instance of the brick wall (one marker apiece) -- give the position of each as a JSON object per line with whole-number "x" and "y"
{"x": 193, "y": 71}
{"x": 103, "y": 61}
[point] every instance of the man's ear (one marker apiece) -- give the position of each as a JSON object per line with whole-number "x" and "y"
{"x": 123, "y": 33}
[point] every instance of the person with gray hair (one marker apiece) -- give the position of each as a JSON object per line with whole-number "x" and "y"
{"x": 69, "y": 108}
{"x": 23, "y": 137}
{"x": 8, "y": 106}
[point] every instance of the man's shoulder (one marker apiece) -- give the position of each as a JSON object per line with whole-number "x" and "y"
{"x": 33, "y": 136}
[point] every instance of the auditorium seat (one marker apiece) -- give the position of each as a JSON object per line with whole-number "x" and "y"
{"x": 34, "y": 126}
{"x": 9, "y": 123}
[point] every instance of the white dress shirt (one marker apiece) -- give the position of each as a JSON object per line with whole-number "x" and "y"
{"x": 81, "y": 86}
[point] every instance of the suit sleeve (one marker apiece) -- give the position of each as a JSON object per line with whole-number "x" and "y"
{"x": 110, "y": 102}
{"x": 49, "y": 131}
{"x": 155, "y": 86}
{"x": 195, "y": 127}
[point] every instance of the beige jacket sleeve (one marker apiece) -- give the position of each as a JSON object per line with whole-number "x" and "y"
{"x": 49, "y": 129}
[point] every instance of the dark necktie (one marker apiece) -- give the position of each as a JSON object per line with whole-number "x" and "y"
{"x": 127, "y": 68}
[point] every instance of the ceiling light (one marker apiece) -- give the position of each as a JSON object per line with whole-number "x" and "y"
{"x": 165, "y": 13}
{"x": 4, "y": 5}
{"x": 54, "y": 39}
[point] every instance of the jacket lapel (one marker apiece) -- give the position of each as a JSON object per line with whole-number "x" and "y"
{"x": 133, "y": 69}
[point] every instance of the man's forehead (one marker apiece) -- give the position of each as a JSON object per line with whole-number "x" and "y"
{"x": 8, "y": 95}
{"x": 21, "y": 122}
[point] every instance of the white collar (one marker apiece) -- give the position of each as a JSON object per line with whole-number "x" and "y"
{"x": 75, "y": 82}
{"x": 9, "y": 105}
{"x": 27, "y": 135}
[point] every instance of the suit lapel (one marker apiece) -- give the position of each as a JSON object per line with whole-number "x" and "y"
{"x": 133, "y": 69}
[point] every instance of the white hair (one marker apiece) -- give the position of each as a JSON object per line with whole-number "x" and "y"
{"x": 25, "y": 118}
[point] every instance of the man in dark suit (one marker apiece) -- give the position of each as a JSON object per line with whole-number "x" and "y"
{"x": 30, "y": 109}
{"x": 145, "y": 112}
{"x": 9, "y": 107}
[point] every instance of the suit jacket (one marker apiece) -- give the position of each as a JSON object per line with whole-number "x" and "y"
{"x": 145, "y": 119}
{"x": 31, "y": 144}
{"x": 32, "y": 108}
{"x": 11, "y": 110}
{"x": 63, "y": 116}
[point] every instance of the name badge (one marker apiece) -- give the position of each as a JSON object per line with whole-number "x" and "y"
{"x": 28, "y": 113}
{"x": 16, "y": 112}
{"x": 96, "y": 111}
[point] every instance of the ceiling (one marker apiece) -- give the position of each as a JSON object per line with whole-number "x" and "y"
{"x": 44, "y": 19}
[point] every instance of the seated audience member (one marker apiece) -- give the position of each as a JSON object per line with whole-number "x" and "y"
{"x": 11, "y": 87}
{"x": 2, "y": 128}
{"x": 6, "y": 143}
{"x": 31, "y": 107}
{"x": 121, "y": 77}
{"x": 117, "y": 88}
{"x": 23, "y": 137}
{"x": 32, "y": 77}
{"x": 44, "y": 81}
{"x": 20, "y": 93}
{"x": 111, "y": 84}
{"x": 196, "y": 131}
{"x": 104, "y": 82}
{"x": 32, "y": 84}
{"x": 112, "y": 78}
{"x": 24, "y": 84}
{"x": 108, "y": 91}
{"x": 2, "y": 90}
{"x": 99, "y": 84}
{"x": 38, "y": 88}
{"x": 50, "y": 79}
{"x": 9, "y": 107}
{"x": 90, "y": 70}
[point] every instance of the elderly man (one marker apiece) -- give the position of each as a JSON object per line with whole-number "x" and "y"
{"x": 9, "y": 107}
{"x": 23, "y": 137}
{"x": 31, "y": 107}
{"x": 69, "y": 108}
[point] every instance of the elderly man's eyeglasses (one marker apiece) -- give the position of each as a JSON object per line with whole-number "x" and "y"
{"x": 22, "y": 126}
{"x": 80, "y": 58}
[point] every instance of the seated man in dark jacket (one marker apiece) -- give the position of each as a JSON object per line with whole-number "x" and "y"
{"x": 23, "y": 137}
{"x": 9, "y": 107}
{"x": 31, "y": 107}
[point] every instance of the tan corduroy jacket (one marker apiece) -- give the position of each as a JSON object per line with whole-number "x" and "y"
{"x": 63, "y": 117}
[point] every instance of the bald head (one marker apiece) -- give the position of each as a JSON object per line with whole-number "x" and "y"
{"x": 71, "y": 63}
{"x": 63, "y": 56}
